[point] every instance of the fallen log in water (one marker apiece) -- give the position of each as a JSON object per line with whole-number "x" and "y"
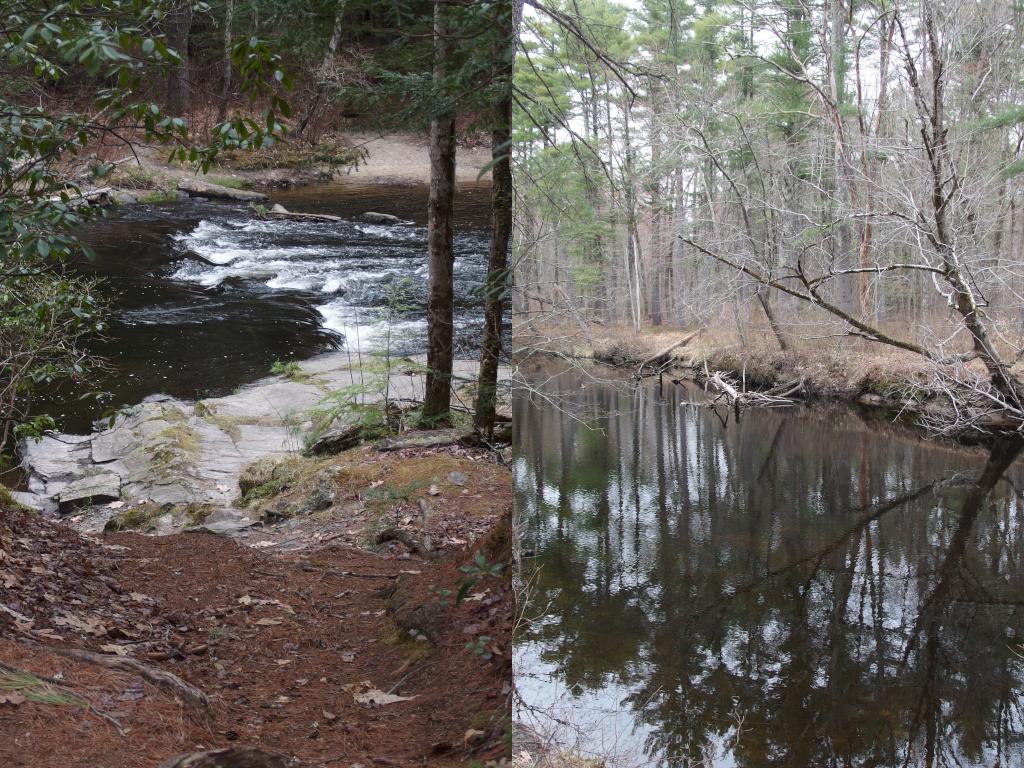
{"x": 101, "y": 196}
{"x": 195, "y": 187}
{"x": 727, "y": 390}
{"x": 280, "y": 212}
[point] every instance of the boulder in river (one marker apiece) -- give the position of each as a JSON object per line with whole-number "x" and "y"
{"x": 372, "y": 217}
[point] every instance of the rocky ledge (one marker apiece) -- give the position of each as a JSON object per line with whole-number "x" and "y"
{"x": 188, "y": 456}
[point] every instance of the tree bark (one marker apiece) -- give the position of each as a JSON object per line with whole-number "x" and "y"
{"x": 179, "y": 26}
{"x": 501, "y": 221}
{"x": 332, "y": 44}
{"x": 773, "y": 322}
{"x": 225, "y": 91}
{"x": 440, "y": 236}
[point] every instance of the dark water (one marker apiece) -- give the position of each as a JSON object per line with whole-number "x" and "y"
{"x": 206, "y": 296}
{"x": 802, "y": 588}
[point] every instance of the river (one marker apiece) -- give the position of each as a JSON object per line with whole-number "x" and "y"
{"x": 809, "y": 586}
{"x": 206, "y": 296}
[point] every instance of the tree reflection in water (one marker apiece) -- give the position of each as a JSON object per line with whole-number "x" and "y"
{"x": 851, "y": 592}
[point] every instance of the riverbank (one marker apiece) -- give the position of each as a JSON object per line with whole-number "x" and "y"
{"x": 170, "y": 464}
{"x": 395, "y": 159}
{"x": 870, "y": 375}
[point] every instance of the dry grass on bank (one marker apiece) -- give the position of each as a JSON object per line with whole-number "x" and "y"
{"x": 840, "y": 367}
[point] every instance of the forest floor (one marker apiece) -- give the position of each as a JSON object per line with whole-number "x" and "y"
{"x": 336, "y": 650}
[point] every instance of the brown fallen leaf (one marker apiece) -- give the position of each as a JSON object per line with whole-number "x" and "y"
{"x": 14, "y": 699}
{"x": 267, "y": 622}
{"x": 85, "y": 624}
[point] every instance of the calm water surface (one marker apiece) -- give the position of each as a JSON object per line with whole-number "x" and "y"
{"x": 206, "y": 296}
{"x": 806, "y": 587}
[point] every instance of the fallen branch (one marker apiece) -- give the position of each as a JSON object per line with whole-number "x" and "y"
{"x": 661, "y": 355}
{"x": 727, "y": 390}
{"x": 437, "y": 438}
{"x": 787, "y": 390}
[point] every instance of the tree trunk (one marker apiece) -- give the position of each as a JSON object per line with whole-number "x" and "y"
{"x": 179, "y": 26}
{"x": 441, "y": 258}
{"x": 332, "y": 44}
{"x": 501, "y": 222}
{"x": 225, "y": 92}
{"x": 773, "y": 321}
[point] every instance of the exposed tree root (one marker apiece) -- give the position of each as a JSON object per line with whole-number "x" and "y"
{"x": 233, "y": 757}
{"x": 168, "y": 681}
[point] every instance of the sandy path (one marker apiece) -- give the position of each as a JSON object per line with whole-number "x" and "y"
{"x": 404, "y": 158}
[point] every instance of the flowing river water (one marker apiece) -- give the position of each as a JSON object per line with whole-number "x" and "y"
{"x": 206, "y": 296}
{"x": 808, "y": 586}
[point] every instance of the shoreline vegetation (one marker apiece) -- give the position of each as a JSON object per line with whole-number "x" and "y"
{"x": 895, "y": 383}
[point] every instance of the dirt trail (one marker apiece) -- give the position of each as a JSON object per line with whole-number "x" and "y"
{"x": 289, "y": 645}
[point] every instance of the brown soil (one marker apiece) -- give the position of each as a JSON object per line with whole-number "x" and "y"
{"x": 281, "y": 642}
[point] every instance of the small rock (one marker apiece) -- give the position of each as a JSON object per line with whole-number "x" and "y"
{"x": 321, "y": 498}
{"x": 123, "y": 197}
{"x": 338, "y": 438}
{"x": 229, "y": 528}
{"x": 458, "y": 478}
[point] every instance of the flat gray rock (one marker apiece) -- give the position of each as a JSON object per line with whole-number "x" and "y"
{"x": 35, "y": 501}
{"x": 91, "y": 489}
{"x": 169, "y": 451}
{"x": 229, "y": 528}
{"x": 110, "y": 445}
